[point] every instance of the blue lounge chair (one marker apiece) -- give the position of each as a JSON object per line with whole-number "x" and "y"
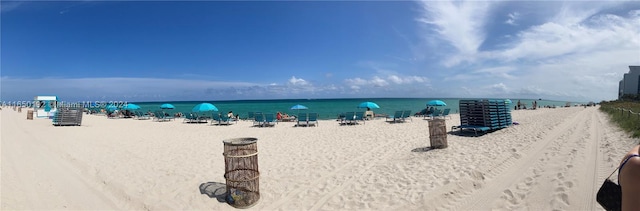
{"x": 161, "y": 116}
{"x": 141, "y": 115}
{"x": 215, "y": 118}
{"x": 395, "y": 118}
{"x": 190, "y": 117}
{"x": 302, "y": 120}
{"x": 473, "y": 128}
{"x": 250, "y": 116}
{"x": 270, "y": 119}
{"x": 406, "y": 114}
{"x": 360, "y": 117}
{"x": 349, "y": 118}
{"x": 313, "y": 119}
{"x": 435, "y": 113}
{"x": 445, "y": 113}
{"x": 220, "y": 119}
{"x": 258, "y": 120}
{"x": 225, "y": 120}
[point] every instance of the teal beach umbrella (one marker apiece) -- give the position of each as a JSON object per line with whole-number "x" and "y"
{"x": 368, "y": 105}
{"x": 298, "y": 107}
{"x": 436, "y": 103}
{"x": 203, "y": 107}
{"x": 167, "y": 106}
{"x": 131, "y": 106}
{"x": 111, "y": 108}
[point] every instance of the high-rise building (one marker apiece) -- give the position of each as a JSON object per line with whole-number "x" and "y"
{"x": 629, "y": 85}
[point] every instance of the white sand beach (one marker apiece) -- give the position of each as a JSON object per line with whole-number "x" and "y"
{"x": 555, "y": 159}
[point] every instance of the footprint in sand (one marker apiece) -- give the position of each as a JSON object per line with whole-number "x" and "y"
{"x": 508, "y": 195}
{"x": 568, "y": 184}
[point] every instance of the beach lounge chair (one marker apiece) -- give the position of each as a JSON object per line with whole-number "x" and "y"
{"x": 436, "y": 112}
{"x": 160, "y": 116}
{"x": 190, "y": 118}
{"x": 215, "y": 118}
{"x": 445, "y": 113}
{"x": 360, "y": 116}
{"x": 219, "y": 119}
{"x": 141, "y": 115}
{"x": 258, "y": 120}
{"x": 302, "y": 120}
{"x": 250, "y": 115}
{"x": 312, "y": 119}
{"x": 349, "y": 118}
{"x": 270, "y": 119}
{"x": 225, "y": 120}
{"x": 395, "y": 118}
{"x": 473, "y": 128}
{"x": 406, "y": 114}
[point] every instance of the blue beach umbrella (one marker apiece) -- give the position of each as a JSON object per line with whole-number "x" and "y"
{"x": 368, "y": 105}
{"x": 298, "y": 107}
{"x": 202, "y": 107}
{"x": 131, "y": 106}
{"x": 507, "y": 101}
{"x": 436, "y": 103}
{"x": 167, "y": 106}
{"x": 111, "y": 108}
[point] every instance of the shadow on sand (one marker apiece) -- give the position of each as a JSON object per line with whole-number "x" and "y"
{"x": 422, "y": 149}
{"x": 215, "y": 190}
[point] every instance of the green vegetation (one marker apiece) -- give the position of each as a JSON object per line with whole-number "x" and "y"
{"x": 629, "y": 121}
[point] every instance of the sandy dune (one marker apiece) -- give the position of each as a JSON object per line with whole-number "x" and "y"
{"x": 555, "y": 159}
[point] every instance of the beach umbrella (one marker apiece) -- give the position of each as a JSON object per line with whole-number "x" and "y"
{"x": 131, "y": 106}
{"x": 436, "y": 103}
{"x": 298, "y": 107}
{"x": 202, "y": 107}
{"x": 368, "y": 105}
{"x": 111, "y": 108}
{"x": 167, "y": 106}
{"x": 507, "y": 101}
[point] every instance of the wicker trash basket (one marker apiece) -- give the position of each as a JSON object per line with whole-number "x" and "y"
{"x": 30, "y": 114}
{"x": 241, "y": 172}
{"x": 438, "y": 133}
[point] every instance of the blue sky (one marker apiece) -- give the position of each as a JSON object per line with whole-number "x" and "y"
{"x": 211, "y": 50}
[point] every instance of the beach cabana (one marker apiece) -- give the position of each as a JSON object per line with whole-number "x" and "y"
{"x": 45, "y": 106}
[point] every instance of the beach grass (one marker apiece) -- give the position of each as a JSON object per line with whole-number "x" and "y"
{"x": 625, "y": 114}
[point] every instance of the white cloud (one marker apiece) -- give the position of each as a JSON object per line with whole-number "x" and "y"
{"x": 387, "y": 78}
{"x": 500, "y": 87}
{"x": 459, "y": 23}
{"x": 298, "y": 81}
{"x": 356, "y": 81}
{"x": 513, "y": 17}
{"x": 576, "y": 52}
{"x": 378, "y": 82}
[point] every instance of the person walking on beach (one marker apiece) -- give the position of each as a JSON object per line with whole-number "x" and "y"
{"x": 629, "y": 179}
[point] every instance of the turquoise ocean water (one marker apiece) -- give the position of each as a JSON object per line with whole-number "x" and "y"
{"x": 326, "y": 108}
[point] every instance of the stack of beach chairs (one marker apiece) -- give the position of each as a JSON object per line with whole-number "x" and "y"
{"x": 68, "y": 117}
{"x": 484, "y": 115}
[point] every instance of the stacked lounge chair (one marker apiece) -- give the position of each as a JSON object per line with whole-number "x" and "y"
{"x": 484, "y": 115}
{"x": 67, "y": 117}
